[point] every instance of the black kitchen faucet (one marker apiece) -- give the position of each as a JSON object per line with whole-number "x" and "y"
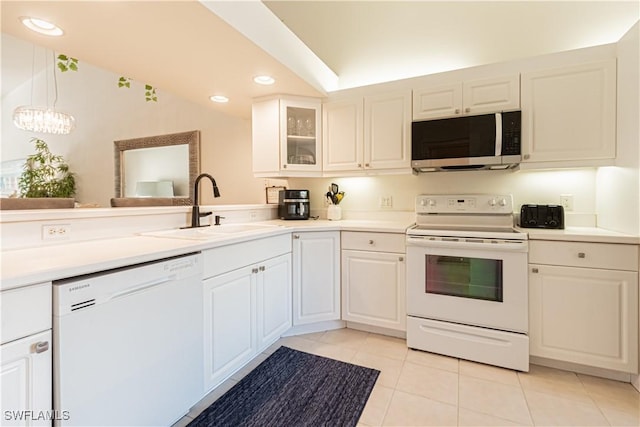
{"x": 195, "y": 210}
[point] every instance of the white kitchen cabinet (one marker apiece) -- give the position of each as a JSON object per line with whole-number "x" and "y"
{"x": 245, "y": 309}
{"x": 569, "y": 114}
{"x": 287, "y": 137}
{"x": 583, "y": 303}
{"x": 342, "y": 129}
{"x": 229, "y": 324}
{"x": 368, "y": 134}
{"x": 373, "y": 279}
{"x": 470, "y": 97}
{"x": 25, "y": 376}
{"x": 273, "y": 300}
{"x": 26, "y": 357}
{"x": 316, "y": 277}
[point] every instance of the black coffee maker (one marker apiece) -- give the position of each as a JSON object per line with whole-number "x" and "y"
{"x": 293, "y": 204}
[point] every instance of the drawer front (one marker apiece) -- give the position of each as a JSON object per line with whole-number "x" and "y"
{"x": 236, "y": 255}
{"x": 376, "y": 242}
{"x": 579, "y": 254}
{"x": 25, "y": 311}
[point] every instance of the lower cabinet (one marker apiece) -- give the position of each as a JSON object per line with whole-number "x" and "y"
{"x": 316, "y": 277}
{"x": 273, "y": 300}
{"x": 229, "y": 319}
{"x": 373, "y": 279}
{"x": 246, "y": 309}
{"x": 26, "y": 357}
{"x": 25, "y": 375}
{"x": 582, "y": 315}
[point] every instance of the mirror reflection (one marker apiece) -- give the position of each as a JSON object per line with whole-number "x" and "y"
{"x": 156, "y": 170}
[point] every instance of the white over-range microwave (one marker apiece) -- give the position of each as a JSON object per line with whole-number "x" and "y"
{"x": 488, "y": 141}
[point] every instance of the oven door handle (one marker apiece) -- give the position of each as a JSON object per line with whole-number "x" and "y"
{"x": 516, "y": 246}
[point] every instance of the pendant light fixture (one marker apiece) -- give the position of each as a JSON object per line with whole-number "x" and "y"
{"x": 44, "y": 119}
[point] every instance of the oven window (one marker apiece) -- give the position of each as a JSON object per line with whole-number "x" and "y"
{"x": 476, "y": 278}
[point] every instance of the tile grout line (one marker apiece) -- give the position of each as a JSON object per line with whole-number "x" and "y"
{"x": 594, "y": 401}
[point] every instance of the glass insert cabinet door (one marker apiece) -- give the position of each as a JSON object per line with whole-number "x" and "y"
{"x": 474, "y": 278}
{"x": 301, "y": 139}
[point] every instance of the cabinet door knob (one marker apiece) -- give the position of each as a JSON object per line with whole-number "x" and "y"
{"x": 41, "y": 346}
{"x": 254, "y": 270}
{"x": 401, "y": 258}
{"x": 296, "y": 236}
{"x": 457, "y": 111}
{"x": 366, "y": 165}
{"x": 371, "y": 242}
{"x": 526, "y": 156}
{"x": 467, "y": 110}
{"x": 582, "y": 255}
{"x": 359, "y": 165}
{"x": 262, "y": 268}
{"x": 284, "y": 166}
{"x": 534, "y": 270}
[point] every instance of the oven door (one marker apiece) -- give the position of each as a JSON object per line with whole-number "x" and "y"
{"x": 481, "y": 284}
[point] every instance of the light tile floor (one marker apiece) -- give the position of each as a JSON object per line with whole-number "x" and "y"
{"x": 423, "y": 389}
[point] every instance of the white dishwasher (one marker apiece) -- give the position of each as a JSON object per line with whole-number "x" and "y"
{"x": 128, "y": 344}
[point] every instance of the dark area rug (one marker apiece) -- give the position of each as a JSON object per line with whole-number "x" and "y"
{"x": 293, "y": 388}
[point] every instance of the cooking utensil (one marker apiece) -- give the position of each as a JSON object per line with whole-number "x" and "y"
{"x": 330, "y": 197}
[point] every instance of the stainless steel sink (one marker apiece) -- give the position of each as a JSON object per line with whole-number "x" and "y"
{"x": 214, "y": 231}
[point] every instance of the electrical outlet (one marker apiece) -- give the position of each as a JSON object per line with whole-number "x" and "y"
{"x": 386, "y": 201}
{"x": 566, "y": 200}
{"x": 56, "y": 232}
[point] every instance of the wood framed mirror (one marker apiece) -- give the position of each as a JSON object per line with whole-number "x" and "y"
{"x": 156, "y": 170}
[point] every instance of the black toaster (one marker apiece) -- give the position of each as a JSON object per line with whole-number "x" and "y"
{"x": 542, "y": 216}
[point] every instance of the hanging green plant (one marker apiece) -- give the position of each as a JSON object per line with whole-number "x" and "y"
{"x": 46, "y": 174}
{"x": 124, "y": 82}
{"x": 66, "y": 63}
{"x": 150, "y": 93}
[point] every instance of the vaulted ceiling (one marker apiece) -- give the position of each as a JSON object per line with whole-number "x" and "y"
{"x": 195, "y": 49}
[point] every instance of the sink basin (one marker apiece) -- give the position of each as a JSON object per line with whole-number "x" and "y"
{"x": 213, "y": 232}
{"x": 238, "y": 228}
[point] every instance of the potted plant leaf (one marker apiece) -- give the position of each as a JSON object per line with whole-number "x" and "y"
{"x": 46, "y": 181}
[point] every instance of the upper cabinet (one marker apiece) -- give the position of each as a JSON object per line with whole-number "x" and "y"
{"x": 469, "y": 97}
{"x": 287, "y": 137}
{"x": 368, "y": 134}
{"x": 569, "y": 114}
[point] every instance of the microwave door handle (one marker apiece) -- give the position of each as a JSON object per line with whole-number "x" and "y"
{"x": 498, "y": 134}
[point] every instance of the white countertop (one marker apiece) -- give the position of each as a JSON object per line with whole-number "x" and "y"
{"x": 581, "y": 234}
{"x": 22, "y": 267}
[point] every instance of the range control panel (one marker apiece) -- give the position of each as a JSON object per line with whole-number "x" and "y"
{"x": 466, "y": 203}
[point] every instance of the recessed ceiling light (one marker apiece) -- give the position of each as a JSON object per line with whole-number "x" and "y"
{"x": 41, "y": 26}
{"x": 219, "y": 98}
{"x": 264, "y": 80}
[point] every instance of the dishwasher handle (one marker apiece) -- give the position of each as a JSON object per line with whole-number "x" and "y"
{"x": 142, "y": 287}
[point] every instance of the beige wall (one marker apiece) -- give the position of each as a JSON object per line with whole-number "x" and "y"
{"x": 540, "y": 187}
{"x": 106, "y": 113}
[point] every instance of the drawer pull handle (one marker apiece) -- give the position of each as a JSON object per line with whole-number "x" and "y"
{"x": 581, "y": 255}
{"x": 42, "y": 346}
{"x": 371, "y": 242}
{"x": 534, "y": 270}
